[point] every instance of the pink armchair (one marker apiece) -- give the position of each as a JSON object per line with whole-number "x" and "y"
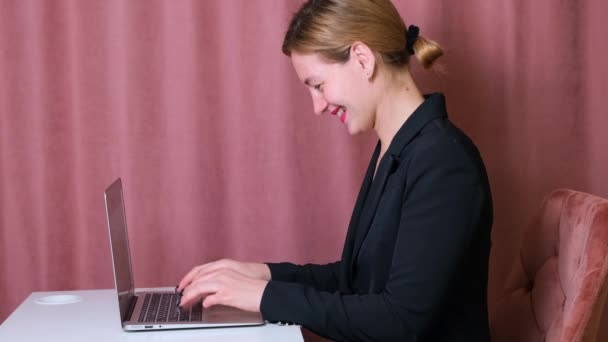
{"x": 556, "y": 291}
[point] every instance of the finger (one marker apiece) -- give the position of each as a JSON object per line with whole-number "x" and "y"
{"x": 187, "y": 301}
{"x": 211, "y": 300}
{"x": 199, "y": 271}
{"x": 187, "y": 279}
{"x": 195, "y": 273}
{"x": 197, "y": 290}
{"x": 206, "y": 271}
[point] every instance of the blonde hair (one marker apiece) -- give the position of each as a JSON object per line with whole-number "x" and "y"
{"x": 330, "y": 27}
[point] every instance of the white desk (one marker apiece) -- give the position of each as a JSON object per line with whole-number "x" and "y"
{"x": 96, "y": 318}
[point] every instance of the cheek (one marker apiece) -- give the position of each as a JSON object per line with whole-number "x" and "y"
{"x": 340, "y": 94}
{"x": 358, "y": 91}
{"x": 359, "y": 100}
{"x": 332, "y": 96}
{"x": 348, "y": 92}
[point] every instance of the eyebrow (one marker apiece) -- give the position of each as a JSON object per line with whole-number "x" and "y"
{"x": 307, "y": 81}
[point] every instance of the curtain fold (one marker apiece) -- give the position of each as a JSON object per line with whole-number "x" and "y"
{"x": 193, "y": 104}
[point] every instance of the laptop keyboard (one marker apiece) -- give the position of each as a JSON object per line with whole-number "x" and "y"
{"x": 162, "y": 307}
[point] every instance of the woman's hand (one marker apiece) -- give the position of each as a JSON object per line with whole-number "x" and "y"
{"x": 226, "y": 282}
{"x": 250, "y": 269}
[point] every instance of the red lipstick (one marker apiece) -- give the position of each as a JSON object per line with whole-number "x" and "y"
{"x": 335, "y": 111}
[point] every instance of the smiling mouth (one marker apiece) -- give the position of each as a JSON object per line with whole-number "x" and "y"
{"x": 340, "y": 112}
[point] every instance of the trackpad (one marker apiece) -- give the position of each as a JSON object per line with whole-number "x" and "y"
{"x": 226, "y": 314}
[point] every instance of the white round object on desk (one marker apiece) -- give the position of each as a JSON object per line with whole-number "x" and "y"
{"x": 58, "y": 299}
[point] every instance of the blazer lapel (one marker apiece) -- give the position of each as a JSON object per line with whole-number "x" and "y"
{"x": 347, "y": 253}
{"x": 432, "y": 108}
{"x": 373, "y": 187}
{"x": 387, "y": 166}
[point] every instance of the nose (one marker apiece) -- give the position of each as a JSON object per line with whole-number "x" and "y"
{"x": 319, "y": 104}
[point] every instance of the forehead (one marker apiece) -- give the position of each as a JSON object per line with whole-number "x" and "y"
{"x": 310, "y": 66}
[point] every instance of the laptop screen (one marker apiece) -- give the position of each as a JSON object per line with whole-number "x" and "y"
{"x": 119, "y": 244}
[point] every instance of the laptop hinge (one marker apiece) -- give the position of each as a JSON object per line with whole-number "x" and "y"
{"x": 131, "y": 308}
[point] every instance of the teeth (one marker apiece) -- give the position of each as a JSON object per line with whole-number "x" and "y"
{"x": 341, "y": 112}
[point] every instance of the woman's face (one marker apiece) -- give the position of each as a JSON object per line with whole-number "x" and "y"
{"x": 343, "y": 90}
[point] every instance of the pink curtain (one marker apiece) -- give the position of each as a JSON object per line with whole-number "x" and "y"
{"x": 194, "y": 106}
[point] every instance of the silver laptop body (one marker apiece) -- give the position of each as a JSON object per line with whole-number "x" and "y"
{"x": 136, "y": 309}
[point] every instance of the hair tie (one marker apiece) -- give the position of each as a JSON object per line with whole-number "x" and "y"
{"x": 411, "y": 37}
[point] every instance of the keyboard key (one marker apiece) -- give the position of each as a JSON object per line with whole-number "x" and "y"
{"x": 162, "y": 307}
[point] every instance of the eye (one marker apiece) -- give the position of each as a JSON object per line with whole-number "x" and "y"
{"x": 317, "y": 87}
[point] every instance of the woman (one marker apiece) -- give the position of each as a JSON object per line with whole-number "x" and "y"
{"x": 415, "y": 261}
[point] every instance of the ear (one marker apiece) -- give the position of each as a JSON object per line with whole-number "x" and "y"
{"x": 364, "y": 59}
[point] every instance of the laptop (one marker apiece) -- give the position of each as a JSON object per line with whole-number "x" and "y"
{"x": 157, "y": 310}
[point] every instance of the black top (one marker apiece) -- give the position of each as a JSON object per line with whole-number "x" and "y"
{"x": 415, "y": 259}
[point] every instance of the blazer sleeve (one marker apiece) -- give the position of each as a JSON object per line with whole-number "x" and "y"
{"x": 321, "y": 277}
{"x": 443, "y": 204}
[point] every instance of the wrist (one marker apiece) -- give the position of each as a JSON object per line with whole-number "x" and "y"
{"x": 263, "y": 271}
{"x": 258, "y": 271}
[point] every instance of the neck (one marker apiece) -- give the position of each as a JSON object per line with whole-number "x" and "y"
{"x": 399, "y": 98}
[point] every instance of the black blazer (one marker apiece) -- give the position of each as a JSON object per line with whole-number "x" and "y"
{"x": 415, "y": 259}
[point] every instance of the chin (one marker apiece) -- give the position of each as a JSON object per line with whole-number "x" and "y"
{"x": 353, "y": 130}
